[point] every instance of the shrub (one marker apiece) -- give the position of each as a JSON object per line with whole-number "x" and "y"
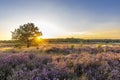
{"x": 29, "y": 67}
{"x": 72, "y": 46}
{"x": 85, "y": 66}
{"x": 78, "y": 70}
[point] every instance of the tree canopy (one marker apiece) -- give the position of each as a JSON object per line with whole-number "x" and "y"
{"x": 26, "y": 33}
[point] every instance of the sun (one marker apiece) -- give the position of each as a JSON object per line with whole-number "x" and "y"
{"x": 40, "y": 40}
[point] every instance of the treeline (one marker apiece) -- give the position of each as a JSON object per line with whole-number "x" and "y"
{"x": 78, "y": 40}
{"x": 72, "y": 40}
{"x": 7, "y": 43}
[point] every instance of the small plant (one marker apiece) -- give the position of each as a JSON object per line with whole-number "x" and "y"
{"x": 72, "y": 46}
{"x": 69, "y": 64}
{"x": 99, "y": 46}
{"x": 81, "y": 44}
{"x": 105, "y": 50}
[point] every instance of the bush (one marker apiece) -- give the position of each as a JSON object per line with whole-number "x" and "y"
{"x": 29, "y": 67}
{"x": 78, "y": 70}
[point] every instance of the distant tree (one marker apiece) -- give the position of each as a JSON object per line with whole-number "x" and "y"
{"x": 26, "y": 34}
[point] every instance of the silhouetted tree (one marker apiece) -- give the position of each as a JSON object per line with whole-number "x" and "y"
{"x": 26, "y": 33}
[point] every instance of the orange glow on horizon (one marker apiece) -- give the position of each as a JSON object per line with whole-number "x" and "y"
{"x": 110, "y": 34}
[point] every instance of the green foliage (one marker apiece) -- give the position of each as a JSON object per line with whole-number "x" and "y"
{"x": 104, "y": 50}
{"x": 72, "y": 46}
{"x": 99, "y": 46}
{"x": 81, "y": 44}
{"x": 26, "y": 33}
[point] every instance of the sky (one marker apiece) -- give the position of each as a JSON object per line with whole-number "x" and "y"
{"x": 89, "y": 19}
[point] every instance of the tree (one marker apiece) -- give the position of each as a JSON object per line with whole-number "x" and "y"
{"x": 26, "y": 34}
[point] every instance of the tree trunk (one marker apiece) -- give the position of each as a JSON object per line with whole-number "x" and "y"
{"x": 28, "y": 45}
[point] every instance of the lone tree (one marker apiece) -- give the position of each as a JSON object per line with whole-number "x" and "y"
{"x": 26, "y": 34}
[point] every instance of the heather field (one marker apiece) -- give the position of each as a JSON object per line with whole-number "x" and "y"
{"x": 59, "y": 39}
{"x": 61, "y": 62}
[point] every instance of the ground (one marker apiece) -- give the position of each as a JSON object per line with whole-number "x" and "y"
{"x": 61, "y": 62}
